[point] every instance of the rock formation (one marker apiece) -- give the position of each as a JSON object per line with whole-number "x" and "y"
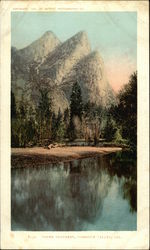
{"x": 61, "y": 65}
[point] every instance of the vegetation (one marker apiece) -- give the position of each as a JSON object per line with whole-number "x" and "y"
{"x": 76, "y": 112}
{"x": 31, "y": 126}
{"x": 44, "y": 114}
{"x": 125, "y": 112}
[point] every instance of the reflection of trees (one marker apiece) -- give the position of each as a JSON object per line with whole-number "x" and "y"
{"x": 89, "y": 187}
{"x": 65, "y": 196}
{"x": 37, "y": 198}
{"x": 123, "y": 164}
{"x": 130, "y": 193}
{"x": 54, "y": 199}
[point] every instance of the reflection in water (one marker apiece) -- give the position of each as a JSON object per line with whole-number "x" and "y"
{"x": 87, "y": 194}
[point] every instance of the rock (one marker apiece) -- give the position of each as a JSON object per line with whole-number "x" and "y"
{"x": 61, "y": 61}
{"x": 90, "y": 73}
{"x": 39, "y": 49}
{"x": 60, "y": 65}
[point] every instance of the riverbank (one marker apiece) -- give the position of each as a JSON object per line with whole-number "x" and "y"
{"x": 37, "y": 156}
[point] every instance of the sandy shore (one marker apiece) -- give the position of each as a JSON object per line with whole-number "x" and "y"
{"x": 26, "y": 157}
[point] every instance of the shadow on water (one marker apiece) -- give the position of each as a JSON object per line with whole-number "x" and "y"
{"x": 89, "y": 194}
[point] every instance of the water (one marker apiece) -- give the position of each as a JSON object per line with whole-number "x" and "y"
{"x": 89, "y": 194}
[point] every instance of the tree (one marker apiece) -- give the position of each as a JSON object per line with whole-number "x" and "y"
{"x": 22, "y": 123}
{"x": 45, "y": 113}
{"x": 54, "y": 128}
{"x": 58, "y": 127}
{"x": 110, "y": 129}
{"x": 31, "y": 126}
{"x": 125, "y": 113}
{"x": 18, "y": 123}
{"x": 76, "y": 105}
{"x": 71, "y": 131}
{"x": 93, "y": 117}
{"x": 66, "y": 121}
{"x": 76, "y": 110}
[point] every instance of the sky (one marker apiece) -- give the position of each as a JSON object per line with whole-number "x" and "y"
{"x": 113, "y": 34}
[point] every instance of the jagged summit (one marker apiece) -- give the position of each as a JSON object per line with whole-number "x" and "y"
{"x": 81, "y": 35}
{"x": 48, "y": 35}
{"x": 41, "y": 47}
{"x": 61, "y": 60}
{"x": 48, "y": 32}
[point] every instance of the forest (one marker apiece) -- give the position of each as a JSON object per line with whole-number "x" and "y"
{"x": 41, "y": 125}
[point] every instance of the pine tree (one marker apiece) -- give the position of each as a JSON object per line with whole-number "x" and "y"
{"x": 76, "y": 104}
{"x": 22, "y": 124}
{"x": 54, "y": 128}
{"x": 76, "y": 109}
{"x": 60, "y": 127}
{"x": 45, "y": 114}
{"x": 66, "y": 121}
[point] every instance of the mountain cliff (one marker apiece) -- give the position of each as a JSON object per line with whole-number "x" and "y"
{"x": 39, "y": 49}
{"x": 23, "y": 59}
{"x": 90, "y": 73}
{"x": 61, "y": 65}
{"x": 64, "y": 57}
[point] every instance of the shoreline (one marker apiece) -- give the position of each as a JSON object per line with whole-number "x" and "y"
{"x": 38, "y": 156}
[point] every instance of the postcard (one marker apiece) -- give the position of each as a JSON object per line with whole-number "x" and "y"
{"x": 74, "y": 125}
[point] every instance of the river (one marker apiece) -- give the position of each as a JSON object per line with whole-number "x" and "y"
{"x": 92, "y": 194}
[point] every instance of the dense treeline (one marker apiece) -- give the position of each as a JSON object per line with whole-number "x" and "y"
{"x": 125, "y": 113}
{"x": 33, "y": 126}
